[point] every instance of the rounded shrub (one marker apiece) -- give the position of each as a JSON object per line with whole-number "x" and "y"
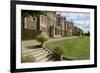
{"x": 42, "y": 38}
{"x": 58, "y": 51}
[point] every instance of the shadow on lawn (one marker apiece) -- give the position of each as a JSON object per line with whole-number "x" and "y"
{"x": 33, "y": 47}
{"x": 69, "y": 59}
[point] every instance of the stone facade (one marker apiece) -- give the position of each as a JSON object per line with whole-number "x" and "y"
{"x": 43, "y": 24}
{"x": 30, "y": 22}
{"x": 52, "y": 25}
{"x": 60, "y": 24}
{"x": 69, "y": 28}
{"x": 77, "y": 31}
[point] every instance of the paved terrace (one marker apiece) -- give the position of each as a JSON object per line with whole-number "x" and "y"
{"x": 28, "y": 45}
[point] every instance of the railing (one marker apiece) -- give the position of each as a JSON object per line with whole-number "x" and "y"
{"x": 48, "y": 50}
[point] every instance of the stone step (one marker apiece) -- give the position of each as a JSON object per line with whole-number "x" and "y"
{"x": 52, "y": 59}
{"x": 25, "y": 52}
{"x": 33, "y": 52}
{"x": 45, "y": 58}
{"x": 42, "y": 53}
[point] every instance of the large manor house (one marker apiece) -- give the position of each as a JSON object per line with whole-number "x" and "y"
{"x": 53, "y": 25}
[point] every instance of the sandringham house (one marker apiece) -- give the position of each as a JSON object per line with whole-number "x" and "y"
{"x": 52, "y": 24}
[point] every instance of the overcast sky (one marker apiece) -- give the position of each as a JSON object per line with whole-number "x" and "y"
{"x": 81, "y": 20}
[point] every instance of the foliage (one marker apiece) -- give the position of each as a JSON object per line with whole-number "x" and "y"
{"x": 27, "y": 34}
{"x": 87, "y": 33}
{"x": 32, "y": 13}
{"x": 42, "y": 38}
{"x": 28, "y": 58}
{"x": 58, "y": 51}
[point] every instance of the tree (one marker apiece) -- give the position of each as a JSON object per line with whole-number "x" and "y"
{"x": 42, "y": 38}
{"x": 88, "y": 33}
{"x": 33, "y": 13}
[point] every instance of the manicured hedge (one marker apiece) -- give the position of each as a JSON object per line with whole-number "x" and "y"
{"x": 27, "y": 34}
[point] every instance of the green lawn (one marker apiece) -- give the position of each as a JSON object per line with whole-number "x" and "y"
{"x": 76, "y": 48}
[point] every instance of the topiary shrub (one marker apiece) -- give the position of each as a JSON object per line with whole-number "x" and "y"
{"x": 58, "y": 51}
{"x": 42, "y": 38}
